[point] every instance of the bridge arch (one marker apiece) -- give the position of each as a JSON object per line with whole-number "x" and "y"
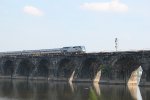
{"x": 147, "y": 74}
{"x": 90, "y": 67}
{"x": 25, "y": 67}
{"x": 65, "y": 68}
{"x": 123, "y": 66}
{"x": 43, "y": 68}
{"x": 8, "y": 67}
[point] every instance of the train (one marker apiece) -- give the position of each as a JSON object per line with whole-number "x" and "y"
{"x": 63, "y": 50}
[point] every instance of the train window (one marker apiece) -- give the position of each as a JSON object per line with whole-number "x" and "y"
{"x": 65, "y": 47}
{"x": 77, "y": 47}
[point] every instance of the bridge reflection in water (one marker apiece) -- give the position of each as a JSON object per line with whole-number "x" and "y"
{"x": 47, "y": 90}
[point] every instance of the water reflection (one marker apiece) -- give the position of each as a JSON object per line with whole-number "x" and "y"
{"x": 97, "y": 88}
{"x": 46, "y": 90}
{"x": 71, "y": 86}
{"x": 135, "y": 92}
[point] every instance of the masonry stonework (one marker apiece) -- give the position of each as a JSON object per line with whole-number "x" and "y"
{"x": 115, "y": 67}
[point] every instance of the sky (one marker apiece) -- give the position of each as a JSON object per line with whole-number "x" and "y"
{"x": 46, "y": 24}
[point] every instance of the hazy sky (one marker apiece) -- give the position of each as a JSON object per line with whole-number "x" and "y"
{"x": 44, "y": 24}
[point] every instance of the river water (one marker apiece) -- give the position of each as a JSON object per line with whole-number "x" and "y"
{"x": 47, "y": 90}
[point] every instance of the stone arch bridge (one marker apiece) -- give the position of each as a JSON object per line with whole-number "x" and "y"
{"x": 115, "y": 67}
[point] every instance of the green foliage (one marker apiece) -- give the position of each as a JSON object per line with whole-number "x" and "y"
{"x": 92, "y": 95}
{"x": 106, "y": 70}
